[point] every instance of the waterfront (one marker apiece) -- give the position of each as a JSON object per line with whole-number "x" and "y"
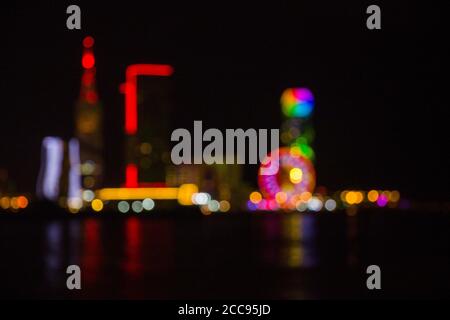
{"x": 241, "y": 255}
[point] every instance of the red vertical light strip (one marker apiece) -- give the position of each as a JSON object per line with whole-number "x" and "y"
{"x": 131, "y": 106}
{"x": 132, "y": 72}
{"x": 131, "y": 113}
{"x": 131, "y": 176}
{"x": 133, "y": 247}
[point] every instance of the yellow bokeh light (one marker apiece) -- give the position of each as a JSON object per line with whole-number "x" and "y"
{"x": 359, "y": 197}
{"x": 255, "y": 197}
{"x": 295, "y": 151}
{"x": 296, "y": 175}
{"x": 372, "y": 195}
{"x": 224, "y": 206}
{"x": 343, "y": 195}
{"x": 185, "y": 193}
{"x": 351, "y": 197}
{"x": 97, "y": 205}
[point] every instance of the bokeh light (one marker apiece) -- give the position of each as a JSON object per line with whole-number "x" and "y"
{"x": 148, "y": 204}
{"x": 297, "y": 102}
{"x": 123, "y": 206}
{"x": 97, "y": 205}
{"x": 295, "y": 175}
{"x": 255, "y": 197}
{"x": 224, "y": 206}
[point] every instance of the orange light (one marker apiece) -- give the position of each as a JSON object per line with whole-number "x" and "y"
{"x": 14, "y": 203}
{"x": 394, "y": 196}
{"x": 359, "y": 197}
{"x": 351, "y": 197}
{"x": 372, "y": 195}
{"x": 255, "y": 197}
{"x": 22, "y": 202}
{"x": 185, "y": 193}
{"x": 5, "y": 203}
{"x": 137, "y": 193}
{"x": 281, "y": 197}
{"x": 305, "y": 196}
{"x": 224, "y": 206}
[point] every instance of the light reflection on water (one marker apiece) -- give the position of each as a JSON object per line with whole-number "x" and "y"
{"x": 290, "y": 240}
{"x": 143, "y": 257}
{"x": 273, "y": 255}
{"x": 54, "y": 253}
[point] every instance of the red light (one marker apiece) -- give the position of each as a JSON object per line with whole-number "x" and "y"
{"x": 88, "y": 78}
{"x": 131, "y": 176}
{"x": 91, "y": 97}
{"x": 88, "y": 42}
{"x": 88, "y": 60}
{"x": 130, "y": 90}
{"x": 163, "y": 70}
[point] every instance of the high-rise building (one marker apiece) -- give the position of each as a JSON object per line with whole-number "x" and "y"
{"x": 89, "y": 121}
{"x": 148, "y": 111}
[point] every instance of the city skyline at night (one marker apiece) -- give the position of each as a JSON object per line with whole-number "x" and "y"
{"x": 379, "y": 150}
{"x": 224, "y": 152}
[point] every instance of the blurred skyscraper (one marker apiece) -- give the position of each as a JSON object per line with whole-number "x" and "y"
{"x": 148, "y": 112}
{"x": 89, "y": 121}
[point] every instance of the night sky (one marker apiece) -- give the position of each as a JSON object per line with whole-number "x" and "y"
{"x": 381, "y": 97}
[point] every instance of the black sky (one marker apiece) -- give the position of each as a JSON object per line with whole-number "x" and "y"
{"x": 381, "y": 105}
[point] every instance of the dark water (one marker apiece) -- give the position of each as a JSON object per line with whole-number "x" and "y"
{"x": 272, "y": 256}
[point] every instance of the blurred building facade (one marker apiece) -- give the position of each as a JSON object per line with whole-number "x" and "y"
{"x": 88, "y": 118}
{"x": 147, "y": 149}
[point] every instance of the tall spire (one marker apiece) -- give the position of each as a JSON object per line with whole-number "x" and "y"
{"x": 89, "y": 120}
{"x": 88, "y": 92}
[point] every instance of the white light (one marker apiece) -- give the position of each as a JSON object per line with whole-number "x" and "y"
{"x": 88, "y": 168}
{"x": 213, "y": 205}
{"x": 315, "y": 204}
{"x": 51, "y": 168}
{"x": 74, "y": 171}
{"x": 148, "y": 204}
{"x": 88, "y": 195}
{"x": 330, "y": 204}
{"x": 301, "y": 206}
{"x": 137, "y": 206}
{"x": 123, "y": 206}
{"x": 75, "y": 203}
{"x": 201, "y": 198}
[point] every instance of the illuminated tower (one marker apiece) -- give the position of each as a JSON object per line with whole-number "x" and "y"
{"x": 89, "y": 121}
{"x": 148, "y": 108}
{"x": 297, "y": 105}
{"x": 292, "y": 186}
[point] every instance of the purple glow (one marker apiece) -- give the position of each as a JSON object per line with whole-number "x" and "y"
{"x": 51, "y": 167}
{"x": 74, "y": 192}
{"x": 251, "y": 206}
{"x": 382, "y": 200}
